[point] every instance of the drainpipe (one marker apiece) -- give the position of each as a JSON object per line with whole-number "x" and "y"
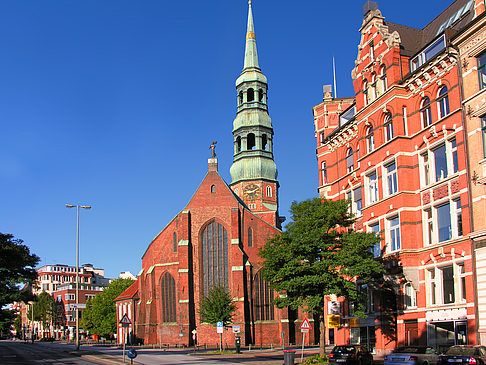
{"x": 470, "y": 203}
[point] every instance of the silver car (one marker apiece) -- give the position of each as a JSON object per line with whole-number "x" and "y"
{"x": 412, "y": 355}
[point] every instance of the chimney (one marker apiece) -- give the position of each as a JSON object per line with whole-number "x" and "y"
{"x": 369, "y": 6}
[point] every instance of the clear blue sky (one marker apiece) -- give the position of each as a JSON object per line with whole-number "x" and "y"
{"x": 114, "y": 103}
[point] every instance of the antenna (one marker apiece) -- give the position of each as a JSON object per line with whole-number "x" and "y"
{"x": 334, "y": 77}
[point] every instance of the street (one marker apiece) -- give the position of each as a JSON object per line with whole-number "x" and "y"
{"x": 18, "y": 352}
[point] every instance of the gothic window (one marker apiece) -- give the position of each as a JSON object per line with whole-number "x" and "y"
{"x": 250, "y": 141}
{"x": 214, "y": 256}
{"x": 168, "y": 298}
{"x": 349, "y": 160}
{"x": 264, "y": 142}
{"x": 443, "y": 102}
{"x": 250, "y": 237}
{"x": 269, "y": 191}
{"x": 213, "y": 189}
{"x": 388, "y": 125}
{"x": 263, "y": 299}
{"x": 373, "y": 90}
{"x": 426, "y": 112}
{"x": 250, "y": 95}
{"x": 174, "y": 242}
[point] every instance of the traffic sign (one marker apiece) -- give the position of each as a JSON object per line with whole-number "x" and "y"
{"x": 305, "y": 325}
{"x": 79, "y": 306}
{"x": 219, "y": 327}
{"x": 236, "y": 329}
{"x": 125, "y": 320}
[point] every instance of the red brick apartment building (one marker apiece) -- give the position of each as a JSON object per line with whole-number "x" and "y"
{"x": 402, "y": 150}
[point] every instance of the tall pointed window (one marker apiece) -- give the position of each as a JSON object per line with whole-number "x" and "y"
{"x": 174, "y": 242}
{"x": 323, "y": 173}
{"x": 426, "y": 112}
{"x": 383, "y": 80}
{"x": 214, "y": 256}
{"x": 250, "y": 237}
{"x": 168, "y": 298}
{"x": 263, "y": 299}
{"x": 269, "y": 191}
{"x": 365, "y": 92}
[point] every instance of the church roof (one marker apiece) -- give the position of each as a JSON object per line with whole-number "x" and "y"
{"x": 129, "y": 293}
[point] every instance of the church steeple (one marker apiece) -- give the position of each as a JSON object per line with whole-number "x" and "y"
{"x": 254, "y": 173}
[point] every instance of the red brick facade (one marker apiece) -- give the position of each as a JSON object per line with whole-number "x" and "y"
{"x": 398, "y": 153}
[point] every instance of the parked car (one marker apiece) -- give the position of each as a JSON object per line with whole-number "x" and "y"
{"x": 350, "y": 355}
{"x": 412, "y": 355}
{"x": 472, "y": 355}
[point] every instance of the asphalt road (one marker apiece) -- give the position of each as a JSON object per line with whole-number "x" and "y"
{"x": 16, "y": 352}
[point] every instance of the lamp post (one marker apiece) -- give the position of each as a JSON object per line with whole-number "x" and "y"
{"x": 77, "y": 206}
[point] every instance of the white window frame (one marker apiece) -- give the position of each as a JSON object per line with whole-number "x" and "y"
{"x": 393, "y": 231}
{"x": 435, "y": 280}
{"x": 376, "y": 249}
{"x": 409, "y": 292}
{"x": 372, "y": 193}
{"x": 455, "y": 212}
{"x": 370, "y": 139}
{"x": 392, "y": 188}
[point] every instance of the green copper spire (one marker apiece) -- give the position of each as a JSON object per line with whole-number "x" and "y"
{"x": 251, "y": 56}
{"x": 252, "y": 127}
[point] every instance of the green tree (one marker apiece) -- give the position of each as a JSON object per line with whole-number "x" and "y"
{"x": 16, "y": 268}
{"x": 318, "y": 256}
{"x": 43, "y": 309}
{"x": 99, "y": 317}
{"x": 217, "y": 306}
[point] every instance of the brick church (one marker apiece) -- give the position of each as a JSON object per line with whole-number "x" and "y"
{"x": 216, "y": 239}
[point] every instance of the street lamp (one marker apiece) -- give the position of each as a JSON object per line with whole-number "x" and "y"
{"x": 77, "y": 206}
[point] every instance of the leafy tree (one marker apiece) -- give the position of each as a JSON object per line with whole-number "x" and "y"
{"x": 99, "y": 317}
{"x": 43, "y": 309}
{"x": 16, "y": 268}
{"x": 318, "y": 256}
{"x": 217, "y": 306}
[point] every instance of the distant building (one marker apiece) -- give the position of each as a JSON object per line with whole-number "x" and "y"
{"x": 127, "y": 275}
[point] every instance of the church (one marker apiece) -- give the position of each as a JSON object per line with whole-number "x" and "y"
{"x": 216, "y": 238}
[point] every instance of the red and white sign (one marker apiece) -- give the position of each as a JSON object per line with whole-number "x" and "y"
{"x": 125, "y": 320}
{"x": 305, "y": 325}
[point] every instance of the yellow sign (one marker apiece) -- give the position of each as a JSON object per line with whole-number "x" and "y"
{"x": 353, "y": 322}
{"x": 333, "y": 321}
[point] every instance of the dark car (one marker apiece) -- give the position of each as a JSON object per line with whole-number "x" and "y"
{"x": 412, "y": 355}
{"x": 350, "y": 354}
{"x": 456, "y": 355}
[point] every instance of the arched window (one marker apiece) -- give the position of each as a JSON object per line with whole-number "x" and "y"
{"x": 443, "y": 102}
{"x": 250, "y": 141}
{"x": 213, "y": 189}
{"x": 238, "y": 144}
{"x": 260, "y": 95}
{"x": 263, "y": 299}
{"x": 269, "y": 191}
{"x": 409, "y": 296}
{"x": 349, "y": 160}
{"x": 250, "y": 237}
{"x": 240, "y": 98}
{"x": 264, "y": 142}
{"x": 174, "y": 242}
{"x": 168, "y": 298}
{"x": 426, "y": 112}
{"x": 373, "y": 90}
{"x": 250, "y": 95}
{"x": 365, "y": 92}
{"x": 214, "y": 256}
{"x": 383, "y": 81}
{"x": 388, "y": 125}
{"x": 370, "y": 139}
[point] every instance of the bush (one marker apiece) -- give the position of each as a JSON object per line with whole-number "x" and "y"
{"x": 316, "y": 359}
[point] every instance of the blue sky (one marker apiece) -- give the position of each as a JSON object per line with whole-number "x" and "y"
{"x": 114, "y": 103}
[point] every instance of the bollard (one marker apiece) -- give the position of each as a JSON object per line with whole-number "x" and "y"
{"x": 289, "y": 357}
